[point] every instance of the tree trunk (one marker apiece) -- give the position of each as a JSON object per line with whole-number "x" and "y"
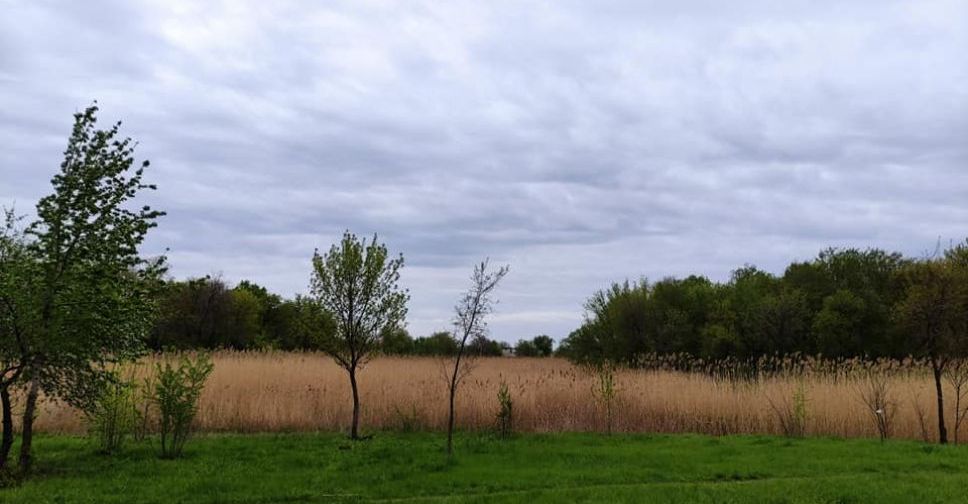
{"x": 355, "y": 427}
{"x": 27, "y": 429}
{"x": 450, "y": 419}
{"x": 942, "y": 431}
{"x": 7, "y": 444}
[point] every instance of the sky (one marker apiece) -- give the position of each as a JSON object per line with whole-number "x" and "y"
{"x": 581, "y": 143}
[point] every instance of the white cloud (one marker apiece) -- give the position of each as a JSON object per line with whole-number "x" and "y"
{"x": 582, "y": 143}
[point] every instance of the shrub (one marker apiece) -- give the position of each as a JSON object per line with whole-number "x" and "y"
{"x": 176, "y": 395}
{"x": 505, "y": 417}
{"x": 792, "y": 415}
{"x": 875, "y": 393}
{"x": 605, "y": 391}
{"x": 113, "y": 415}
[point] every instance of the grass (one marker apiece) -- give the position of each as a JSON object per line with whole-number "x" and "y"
{"x": 286, "y": 391}
{"x": 533, "y": 468}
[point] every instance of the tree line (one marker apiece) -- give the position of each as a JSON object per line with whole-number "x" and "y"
{"x": 844, "y": 303}
{"x": 206, "y": 313}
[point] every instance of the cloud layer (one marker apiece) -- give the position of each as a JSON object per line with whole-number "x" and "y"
{"x": 580, "y": 142}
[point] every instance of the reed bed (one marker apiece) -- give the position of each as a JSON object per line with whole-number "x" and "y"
{"x": 278, "y": 392}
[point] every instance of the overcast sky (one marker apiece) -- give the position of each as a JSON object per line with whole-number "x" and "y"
{"x": 580, "y": 142}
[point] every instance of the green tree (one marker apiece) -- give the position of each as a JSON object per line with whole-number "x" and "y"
{"x": 933, "y": 313}
{"x": 357, "y": 283}
{"x": 525, "y": 348}
{"x": 396, "y": 341}
{"x": 91, "y": 298}
{"x": 544, "y": 345}
{"x": 438, "y": 344}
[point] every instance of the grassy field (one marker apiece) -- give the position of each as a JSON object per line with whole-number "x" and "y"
{"x": 307, "y": 392}
{"x": 277, "y": 468}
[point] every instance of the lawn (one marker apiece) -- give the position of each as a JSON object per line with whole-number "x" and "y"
{"x": 531, "y": 468}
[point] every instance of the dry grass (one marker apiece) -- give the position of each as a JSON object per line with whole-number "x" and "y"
{"x": 305, "y": 392}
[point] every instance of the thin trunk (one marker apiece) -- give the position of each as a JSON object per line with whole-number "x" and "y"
{"x": 355, "y": 428}
{"x": 453, "y": 393}
{"x": 942, "y": 431}
{"x": 27, "y": 429}
{"x": 450, "y": 421}
{"x": 7, "y": 444}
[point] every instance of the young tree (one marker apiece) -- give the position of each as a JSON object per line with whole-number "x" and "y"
{"x": 469, "y": 324}
{"x": 88, "y": 297}
{"x": 357, "y": 283}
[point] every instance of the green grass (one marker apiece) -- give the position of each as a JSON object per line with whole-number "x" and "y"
{"x": 530, "y": 468}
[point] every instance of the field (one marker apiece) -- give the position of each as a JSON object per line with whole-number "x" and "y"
{"x": 306, "y": 392}
{"x": 533, "y": 468}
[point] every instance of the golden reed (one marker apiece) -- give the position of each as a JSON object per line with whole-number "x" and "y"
{"x": 279, "y": 391}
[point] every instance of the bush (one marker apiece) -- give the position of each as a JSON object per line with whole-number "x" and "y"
{"x": 114, "y": 415}
{"x": 606, "y": 391}
{"x": 505, "y": 417}
{"x": 176, "y": 395}
{"x": 792, "y": 415}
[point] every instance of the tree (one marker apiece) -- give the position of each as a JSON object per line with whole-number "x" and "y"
{"x": 16, "y": 292}
{"x": 469, "y": 323}
{"x": 525, "y": 348}
{"x": 933, "y": 313}
{"x": 438, "y": 344}
{"x": 357, "y": 283}
{"x": 544, "y": 345}
{"x": 396, "y": 341}
{"x": 90, "y": 300}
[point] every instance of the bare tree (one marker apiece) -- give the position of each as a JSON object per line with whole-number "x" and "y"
{"x": 469, "y": 324}
{"x": 356, "y": 283}
{"x": 957, "y": 377}
{"x": 875, "y": 393}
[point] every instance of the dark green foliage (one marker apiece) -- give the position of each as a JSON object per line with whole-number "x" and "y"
{"x": 176, "y": 394}
{"x": 539, "y": 346}
{"x": 396, "y": 341}
{"x": 838, "y": 305}
{"x": 437, "y": 344}
{"x": 204, "y": 313}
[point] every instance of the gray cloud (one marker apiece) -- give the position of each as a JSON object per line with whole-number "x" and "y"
{"x": 581, "y": 143}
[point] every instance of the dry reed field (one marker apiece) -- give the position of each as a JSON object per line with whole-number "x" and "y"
{"x": 277, "y": 391}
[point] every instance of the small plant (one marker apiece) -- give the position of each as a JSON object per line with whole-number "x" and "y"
{"x": 407, "y": 421}
{"x": 145, "y": 399}
{"x": 114, "y": 414}
{"x": 176, "y": 395}
{"x": 876, "y": 397}
{"x": 505, "y": 414}
{"x": 605, "y": 391}
{"x": 792, "y": 415}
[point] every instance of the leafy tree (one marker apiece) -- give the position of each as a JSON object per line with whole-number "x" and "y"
{"x": 933, "y": 313}
{"x": 396, "y": 341}
{"x": 544, "y": 345}
{"x": 439, "y": 344}
{"x": 90, "y": 300}
{"x": 838, "y": 325}
{"x": 484, "y": 347}
{"x": 17, "y": 292}
{"x": 525, "y": 348}
{"x": 357, "y": 283}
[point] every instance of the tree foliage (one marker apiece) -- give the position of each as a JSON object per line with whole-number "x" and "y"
{"x": 358, "y": 284}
